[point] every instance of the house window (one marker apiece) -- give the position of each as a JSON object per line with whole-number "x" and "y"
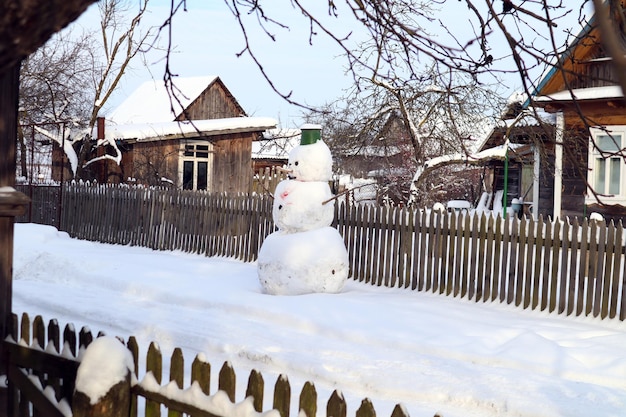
{"x": 607, "y": 163}
{"x": 196, "y": 164}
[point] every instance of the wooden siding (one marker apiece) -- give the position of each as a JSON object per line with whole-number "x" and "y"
{"x": 232, "y": 164}
{"x": 149, "y": 162}
{"x": 216, "y": 102}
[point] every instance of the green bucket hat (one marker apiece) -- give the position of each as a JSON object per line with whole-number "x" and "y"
{"x": 310, "y": 134}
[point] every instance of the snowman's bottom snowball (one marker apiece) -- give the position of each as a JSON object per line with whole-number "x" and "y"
{"x": 315, "y": 261}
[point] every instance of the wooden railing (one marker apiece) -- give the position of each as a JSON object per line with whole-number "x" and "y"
{"x": 43, "y": 373}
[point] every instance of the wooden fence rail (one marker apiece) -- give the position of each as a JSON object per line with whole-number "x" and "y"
{"x": 566, "y": 267}
{"x": 43, "y": 373}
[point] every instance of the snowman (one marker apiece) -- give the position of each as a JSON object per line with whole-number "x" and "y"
{"x": 305, "y": 255}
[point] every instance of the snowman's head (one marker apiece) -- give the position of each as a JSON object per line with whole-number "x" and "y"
{"x": 311, "y": 160}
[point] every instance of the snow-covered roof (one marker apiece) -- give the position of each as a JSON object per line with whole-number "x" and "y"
{"x": 151, "y": 102}
{"x": 277, "y": 144}
{"x": 594, "y": 93}
{"x": 168, "y": 130}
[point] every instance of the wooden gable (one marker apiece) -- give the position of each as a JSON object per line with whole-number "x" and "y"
{"x": 585, "y": 64}
{"x": 215, "y": 102}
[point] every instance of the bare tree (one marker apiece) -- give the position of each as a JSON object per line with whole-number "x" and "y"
{"x": 484, "y": 39}
{"x": 54, "y": 90}
{"x": 122, "y": 40}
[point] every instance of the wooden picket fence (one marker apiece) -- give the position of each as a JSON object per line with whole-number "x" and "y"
{"x": 568, "y": 267}
{"x": 43, "y": 367}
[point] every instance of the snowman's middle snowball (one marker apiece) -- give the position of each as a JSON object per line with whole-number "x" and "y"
{"x": 300, "y": 206}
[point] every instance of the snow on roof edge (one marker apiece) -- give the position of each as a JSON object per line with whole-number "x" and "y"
{"x": 168, "y": 130}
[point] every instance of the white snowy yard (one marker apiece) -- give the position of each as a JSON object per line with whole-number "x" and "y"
{"x": 432, "y": 353}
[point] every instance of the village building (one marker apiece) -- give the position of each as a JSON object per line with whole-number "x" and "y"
{"x": 564, "y": 145}
{"x": 195, "y": 136}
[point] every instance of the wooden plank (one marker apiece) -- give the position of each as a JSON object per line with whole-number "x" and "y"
{"x": 528, "y": 275}
{"x": 282, "y": 396}
{"x": 177, "y": 372}
{"x": 308, "y": 400}
{"x": 574, "y": 252}
{"x": 154, "y": 364}
{"x": 505, "y": 254}
{"x": 554, "y": 272}
{"x": 431, "y": 270}
{"x": 538, "y": 262}
{"x": 452, "y": 252}
{"x": 599, "y": 273}
{"x": 227, "y": 381}
{"x": 606, "y": 278}
{"x": 482, "y": 243}
{"x": 592, "y": 263}
{"x": 371, "y": 257}
{"x": 440, "y": 259}
{"x": 617, "y": 258}
{"x": 473, "y": 256}
{"x": 582, "y": 268}
{"x": 545, "y": 270}
{"x": 487, "y": 271}
{"x": 361, "y": 215}
{"x": 423, "y": 250}
{"x": 33, "y": 393}
{"x": 156, "y": 398}
{"x": 255, "y": 389}
{"x": 466, "y": 271}
{"x": 407, "y": 234}
{"x": 521, "y": 262}
{"x": 41, "y": 361}
{"x": 336, "y": 405}
{"x": 395, "y": 279}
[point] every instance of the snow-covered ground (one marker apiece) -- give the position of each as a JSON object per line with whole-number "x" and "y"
{"x": 429, "y": 352}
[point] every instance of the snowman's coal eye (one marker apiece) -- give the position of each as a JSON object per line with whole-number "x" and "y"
{"x": 296, "y": 163}
{"x": 333, "y": 272}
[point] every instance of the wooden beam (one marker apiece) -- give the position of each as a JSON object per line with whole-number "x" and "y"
{"x": 9, "y": 86}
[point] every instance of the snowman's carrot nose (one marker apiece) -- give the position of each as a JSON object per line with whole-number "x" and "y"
{"x": 284, "y": 170}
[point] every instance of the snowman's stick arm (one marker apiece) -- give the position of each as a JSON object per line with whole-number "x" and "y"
{"x": 344, "y": 192}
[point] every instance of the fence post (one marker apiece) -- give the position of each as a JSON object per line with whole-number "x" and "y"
{"x": 110, "y": 395}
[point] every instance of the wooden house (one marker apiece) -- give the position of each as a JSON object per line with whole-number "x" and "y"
{"x": 589, "y": 138}
{"x": 195, "y": 136}
{"x": 578, "y": 165}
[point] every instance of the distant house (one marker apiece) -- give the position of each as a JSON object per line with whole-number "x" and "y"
{"x": 198, "y": 138}
{"x": 518, "y": 156}
{"x": 273, "y": 149}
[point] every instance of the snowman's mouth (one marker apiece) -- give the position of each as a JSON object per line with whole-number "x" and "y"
{"x": 291, "y": 177}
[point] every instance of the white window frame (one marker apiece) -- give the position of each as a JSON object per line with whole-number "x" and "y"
{"x": 194, "y": 151}
{"x": 612, "y": 162}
